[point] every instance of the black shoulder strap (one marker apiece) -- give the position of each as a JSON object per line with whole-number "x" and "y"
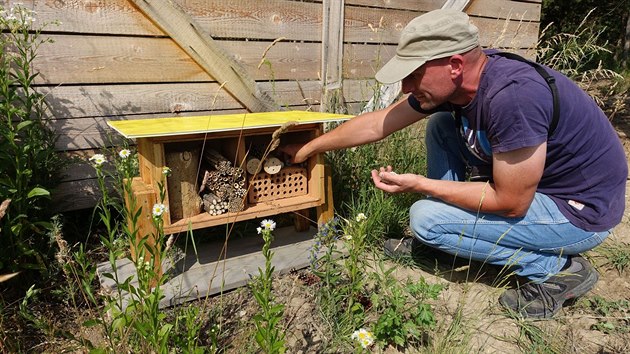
{"x": 551, "y": 81}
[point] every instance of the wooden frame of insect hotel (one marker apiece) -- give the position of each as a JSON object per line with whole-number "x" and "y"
{"x": 225, "y": 169}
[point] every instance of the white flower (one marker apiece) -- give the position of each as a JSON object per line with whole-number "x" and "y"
{"x": 268, "y": 224}
{"x": 166, "y": 171}
{"x": 364, "y": 337}
{"x": 259, "y": 230}
{"x": 347, "y": 237}
{"x": 124, "y": 153}
{"x": 97, "y": 160}
{"x": 159, "y": 209}
{"x": 361, "y": 217}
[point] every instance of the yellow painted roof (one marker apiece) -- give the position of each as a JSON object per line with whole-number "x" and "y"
{"x": 144, "y": 128}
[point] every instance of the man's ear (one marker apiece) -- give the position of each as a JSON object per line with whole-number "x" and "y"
{"x": 457, "y": 65}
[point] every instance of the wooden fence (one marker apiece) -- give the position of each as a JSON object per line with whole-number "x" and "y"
{"x": 133, "y": 59}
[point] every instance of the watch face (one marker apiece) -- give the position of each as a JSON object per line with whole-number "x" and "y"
{"x": 273, "y": 165}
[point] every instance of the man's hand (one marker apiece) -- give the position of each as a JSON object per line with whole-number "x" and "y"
{"x": 294, "y": 153}
{"x": 389, "y": 181}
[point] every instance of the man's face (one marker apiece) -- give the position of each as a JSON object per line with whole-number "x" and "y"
{"x": 431, "y": 84}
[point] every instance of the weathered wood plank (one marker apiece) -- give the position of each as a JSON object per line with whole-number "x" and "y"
{"x": 90, "y": 16}
{"x": 106, "y": 59}
{"x": 266, "y": 20}
{"x": 120, "y": 100}
{"x": 501, "y": 9}
{"x": 76, "y": 195}
{"x": 103, "y": 59}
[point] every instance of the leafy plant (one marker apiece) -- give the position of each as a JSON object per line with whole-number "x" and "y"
{"x": 612, "y": 314}
{"x": 29, "y": 165}
{"x": 403, "y": 311}
{"x": 269, "y": 336}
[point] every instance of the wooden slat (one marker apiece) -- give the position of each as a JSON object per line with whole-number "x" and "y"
{"x": 501, "y": 9}
{"x": 76, "y": 195}
{"x": 103, "y": 59}
{"x": 90, "y": 16}
{"x": 332, "y": 52}
{"x": 270, "y": 19}
{"x": 69, "y": 102}
{"x": 411, "y": 5}
{"x": 171, "y": 19}
{"x": 119, "y": 100}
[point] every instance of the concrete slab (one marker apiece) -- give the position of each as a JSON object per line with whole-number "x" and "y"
{"x": 192, "y": 277}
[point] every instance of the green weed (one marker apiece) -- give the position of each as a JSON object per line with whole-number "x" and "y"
{"x": 577, "y": 55}
{"x": 404, "y": 315}
{"x": 612, "y": 315}
{"x": 269, "y": 334}
{"x": 617, "y": 255}
{"x": 534, "y": 339}
{"x": 29, "y": 165}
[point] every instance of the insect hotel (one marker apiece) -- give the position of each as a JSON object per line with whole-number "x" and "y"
{"x": 225, "y": 169}
{"x": 143, "y": 60}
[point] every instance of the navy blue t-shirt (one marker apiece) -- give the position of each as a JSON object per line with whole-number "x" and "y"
{"x": 585, "y": 170}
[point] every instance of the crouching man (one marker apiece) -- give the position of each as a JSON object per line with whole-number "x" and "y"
{"x": 555, "y": 170}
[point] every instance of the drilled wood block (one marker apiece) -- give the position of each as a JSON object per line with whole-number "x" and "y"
{"x": 289, "y": 182}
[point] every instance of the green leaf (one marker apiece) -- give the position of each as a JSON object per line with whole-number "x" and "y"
{"x": 24, "y": 124}
{"x": 98, "y": 351}
{"x": 38, "y": 192}
{"x": 91, "y": 323}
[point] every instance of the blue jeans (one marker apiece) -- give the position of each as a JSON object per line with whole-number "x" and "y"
{"x": 535, "y": 246}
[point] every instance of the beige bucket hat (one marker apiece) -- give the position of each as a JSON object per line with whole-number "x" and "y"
{"x": 434, "y": 35}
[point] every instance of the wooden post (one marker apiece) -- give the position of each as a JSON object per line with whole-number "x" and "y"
{"x": 144, "y": 197}
{"x": 326, "y": 211}
{"x": 184, "y": 200}
{"x": 332, "y": 56}
{"x": 301, "y": 220}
